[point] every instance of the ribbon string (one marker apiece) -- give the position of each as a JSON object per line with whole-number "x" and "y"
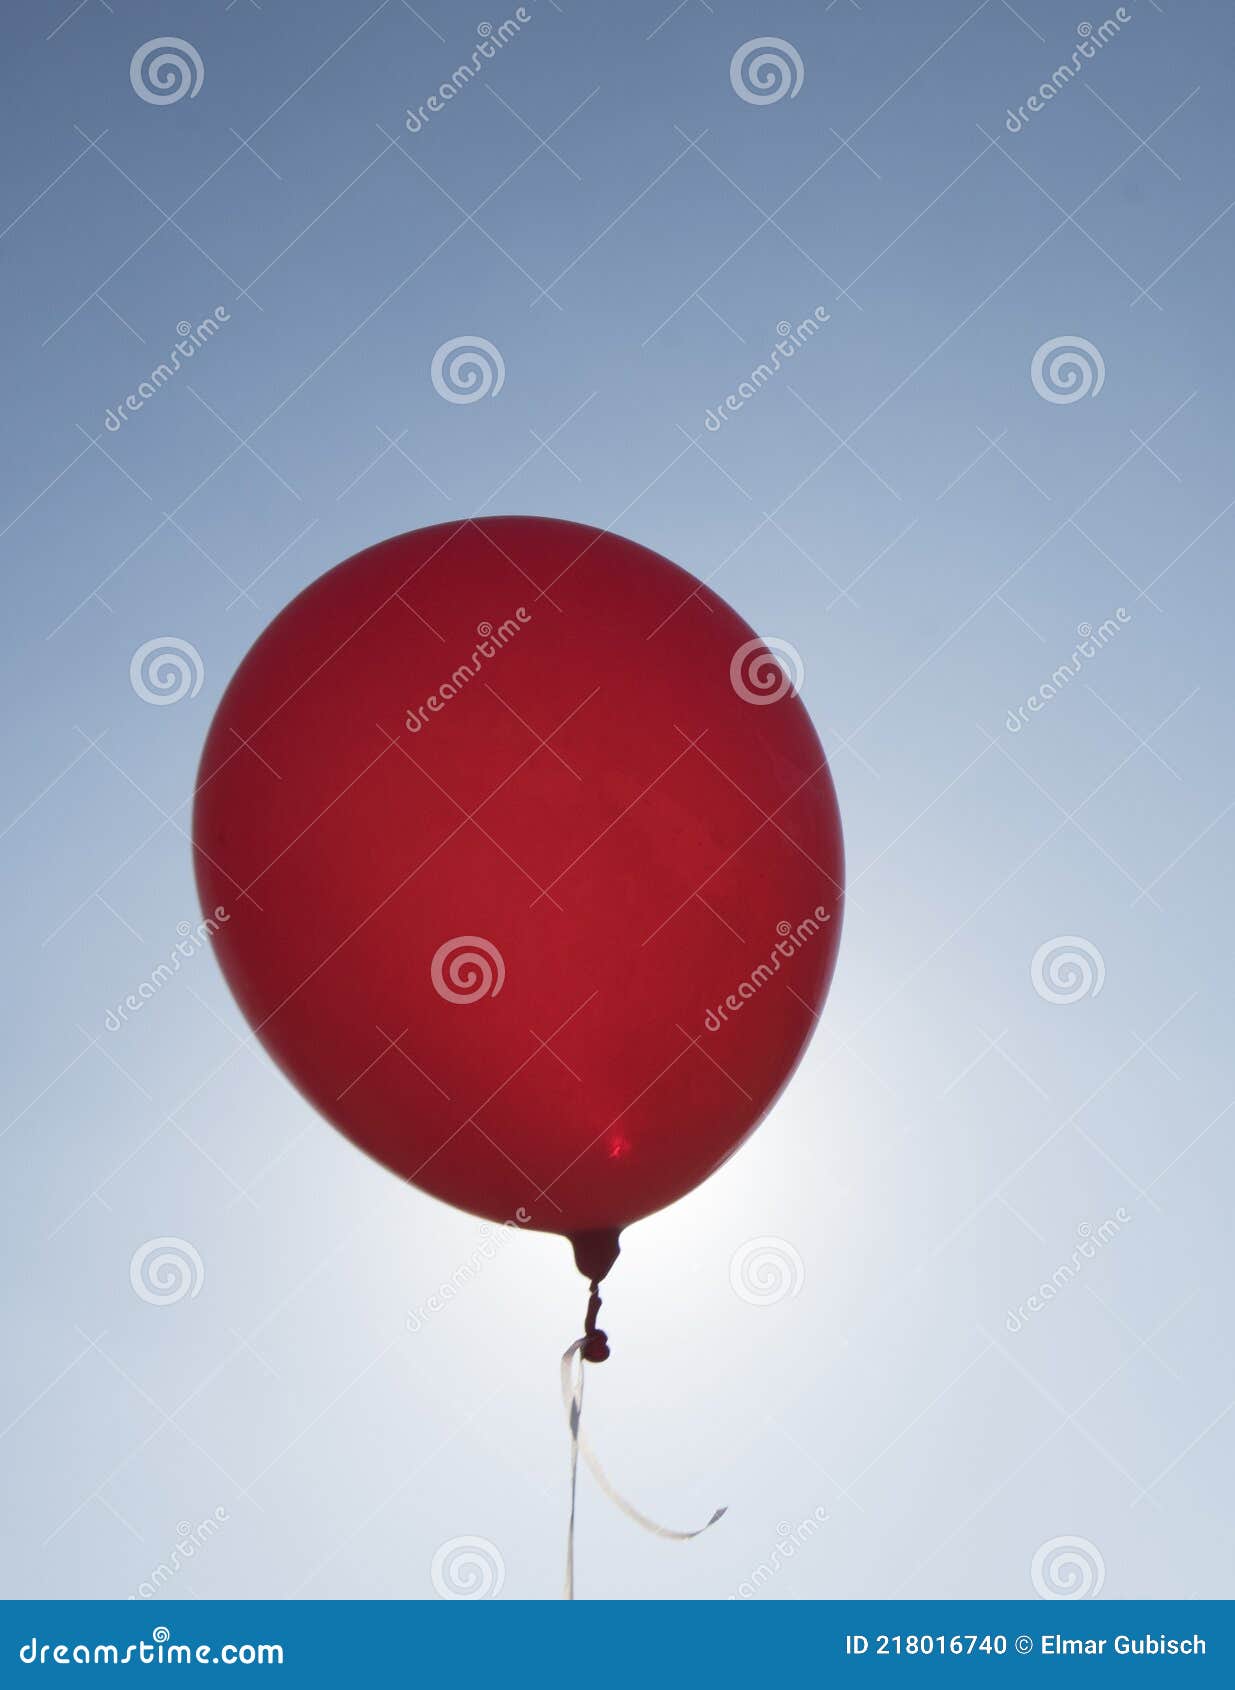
{"x": 572, "y": 1399}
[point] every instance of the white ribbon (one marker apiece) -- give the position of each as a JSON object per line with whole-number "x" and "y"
{"x": 572, "y": 1399}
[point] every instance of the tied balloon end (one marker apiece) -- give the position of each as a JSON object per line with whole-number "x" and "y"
{"x": 595, "y": 1342}
{"x": 595, "y": 1254}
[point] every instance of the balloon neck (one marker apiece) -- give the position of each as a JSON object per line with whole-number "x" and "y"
{"x": 595, "y": 1254}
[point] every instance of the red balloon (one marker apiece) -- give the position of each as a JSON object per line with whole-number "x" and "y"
{"x": 531, "y": 867}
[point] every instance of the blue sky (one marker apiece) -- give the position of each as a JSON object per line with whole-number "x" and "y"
{"x": 904, "y": 506}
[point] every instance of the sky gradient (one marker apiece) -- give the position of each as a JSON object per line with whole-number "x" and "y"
{"x": 953, "y": 540}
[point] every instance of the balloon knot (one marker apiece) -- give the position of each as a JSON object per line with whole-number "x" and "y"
{"x": 595, "y": 1342}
